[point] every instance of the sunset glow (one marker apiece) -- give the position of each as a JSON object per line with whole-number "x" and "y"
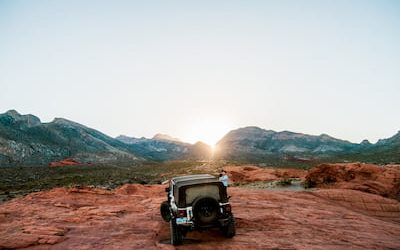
{"x": 209, "y": 131}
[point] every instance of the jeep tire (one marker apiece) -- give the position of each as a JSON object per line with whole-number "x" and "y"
{"x": 205, "y": 210}
{"x": 176, "y": 234}
{"x": 165, "y": 211}
{"x": 229, "y": 230}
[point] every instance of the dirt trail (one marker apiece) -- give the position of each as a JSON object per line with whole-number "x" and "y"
{"x": 128, "y": 218}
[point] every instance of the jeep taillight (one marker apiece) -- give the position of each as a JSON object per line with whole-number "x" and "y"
{"x": 227, "y": 208}
{"x": 182, "y": 213}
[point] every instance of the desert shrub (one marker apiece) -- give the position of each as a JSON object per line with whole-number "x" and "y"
{"x": 309, "y": 183}
{"x": 284, "y": 182}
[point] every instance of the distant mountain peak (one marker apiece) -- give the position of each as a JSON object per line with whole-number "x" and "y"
{"x": 63, "y": 121}
{"x": 395, "y": 139}
{"x": 28, "y": 120}
{"x": 251, "y": 128}
{"x": 13, "y": 113}
{"x": 164, "y": 137}
{"x": 325, "y": 136}
{"x": 200, "y": 143}
{"x": 255, "y": 129}
{"x": 365, "y": 142}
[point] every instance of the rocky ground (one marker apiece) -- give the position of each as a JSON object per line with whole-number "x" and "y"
{"x": 380, "y": 180}
{"x": 128, "y": 218}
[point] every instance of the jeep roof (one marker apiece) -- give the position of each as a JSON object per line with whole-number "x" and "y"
{"x": 181, "y": 183}
{"x": 193, "y": 179}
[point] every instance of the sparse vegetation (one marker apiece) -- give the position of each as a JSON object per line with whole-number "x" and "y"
{"x": 284, "y": 182}
{"x": 292, "y": 183}
{"x": 308, "y": 184}
{"x": 17, "y": 181}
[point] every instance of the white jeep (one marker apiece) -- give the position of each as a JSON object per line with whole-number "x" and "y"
{"x": 197, "y": 202}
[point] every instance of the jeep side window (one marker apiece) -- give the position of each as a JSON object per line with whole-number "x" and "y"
{"x": 176, "y": 194}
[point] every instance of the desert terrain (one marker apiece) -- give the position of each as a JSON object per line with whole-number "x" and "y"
{"x": 349, "y": 206}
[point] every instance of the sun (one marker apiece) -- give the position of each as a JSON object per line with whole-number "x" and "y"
{"x": 209, "y": 131}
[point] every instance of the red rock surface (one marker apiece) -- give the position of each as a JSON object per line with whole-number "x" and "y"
{"x": 128, "y": 218}
{"x": 384, "y": 181}
{"x": 65, "y": 162}
{"x": 249, "y": 173}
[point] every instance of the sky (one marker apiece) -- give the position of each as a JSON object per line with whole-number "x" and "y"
{"x": 197, "y": 69}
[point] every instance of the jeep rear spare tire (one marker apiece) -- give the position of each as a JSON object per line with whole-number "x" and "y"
{"x": 205, "y": 210}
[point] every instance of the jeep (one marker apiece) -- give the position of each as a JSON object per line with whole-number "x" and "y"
{"x": 197, "y": 202}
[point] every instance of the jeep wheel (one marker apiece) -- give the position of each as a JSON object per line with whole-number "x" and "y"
{"x": 176, "y": 234}
{"x": 165, "y": 212}
{"x": 205, "y": 210}
{"x": 230, "y": 229}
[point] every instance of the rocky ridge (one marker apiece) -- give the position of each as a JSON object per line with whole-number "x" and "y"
{"x": 369, "y": 178}
{"x": 25, "y": 140}
{"x": 163, "y": 147}
{"x": 253, "y": 144}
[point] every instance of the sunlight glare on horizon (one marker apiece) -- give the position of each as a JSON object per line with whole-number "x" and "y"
{"x": 208, "y": 130}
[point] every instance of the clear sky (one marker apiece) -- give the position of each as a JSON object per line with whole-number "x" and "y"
{"x": 197, "y": 69}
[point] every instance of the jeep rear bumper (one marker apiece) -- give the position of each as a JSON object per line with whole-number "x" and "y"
{"x": 221, "y": 222}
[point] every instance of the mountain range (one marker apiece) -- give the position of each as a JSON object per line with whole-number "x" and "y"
{"x": 253, "y": 144}
{"x": 25, "y": 140}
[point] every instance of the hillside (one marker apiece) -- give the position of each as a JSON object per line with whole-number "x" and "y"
{"x": 163, "y": 147}
{"x": 24, "y": 140}
{"x": 253, "y": 144}
{"x": 383, "y": 152}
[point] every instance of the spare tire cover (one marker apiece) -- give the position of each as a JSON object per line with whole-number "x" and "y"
{"x": 205, "y": 210}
